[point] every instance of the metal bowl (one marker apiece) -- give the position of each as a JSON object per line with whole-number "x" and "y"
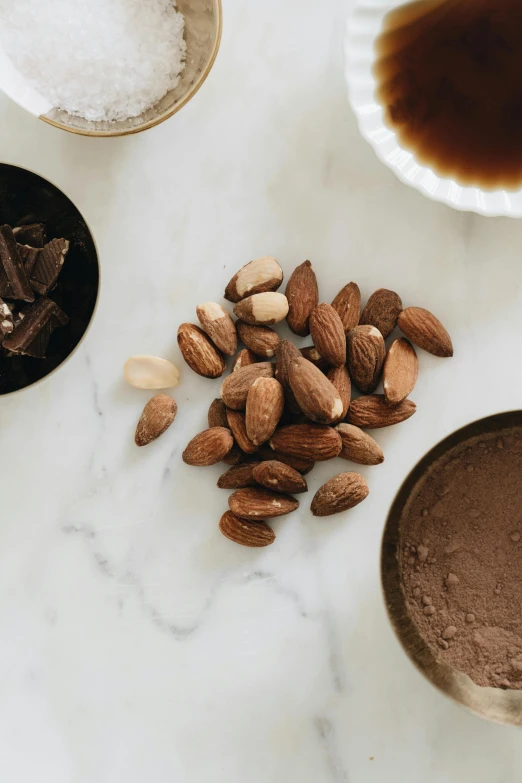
{"x": 203, "y": 25}
{"x": 494, "y": 704}
{"x": 25, "y": 197}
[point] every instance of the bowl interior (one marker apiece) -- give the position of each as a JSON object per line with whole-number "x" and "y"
{"x": 202, "y": 36}
{"x": 500, "y": 706}
{"x": 26, "y": 198}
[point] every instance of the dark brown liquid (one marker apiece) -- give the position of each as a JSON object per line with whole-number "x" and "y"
{"x": 449, "y": 76}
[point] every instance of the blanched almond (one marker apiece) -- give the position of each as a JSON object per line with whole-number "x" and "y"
{"x": 150, "y": 372}
{"x": 264, "y": 309}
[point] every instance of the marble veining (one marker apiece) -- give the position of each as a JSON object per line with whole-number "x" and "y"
{"x": 136, "y": 643}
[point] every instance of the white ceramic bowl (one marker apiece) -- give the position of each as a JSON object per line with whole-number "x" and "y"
{"x": 363, "y": 27}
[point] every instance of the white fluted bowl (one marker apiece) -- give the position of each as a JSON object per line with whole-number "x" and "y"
{"x": 363, "y": 26}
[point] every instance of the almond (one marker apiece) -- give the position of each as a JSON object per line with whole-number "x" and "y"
{"x": 217, "y": 414}
{"x": 373, "y": 412}
{"x": 307, "y": 441}
{"x": 199, "y": 352}
{"x": 300, "y": 464}
{"x": 339, "y": 494}
{"x": 400, "y": 371}
{"x": 253, "y": 503}
{"x": 246, "y": 533}
{"x": 243, "y": 359}
{"x": 358, "y": 446}
{"x": 238, "y": 476}
{"x": 382, "y": 311}
{"x": 285, "y": 352}
{"x": 422, "y": 328}
{"x": 366, "y": 354}
{"x": 237, "y": 425}
{"x": 208, "y": 447}
{"x": 234, "y": 388}
{"x": 311, "y": 353}
{"x": 219, "y": 326}
{"x": 279, "y": 477}
{"x": 264, "y": 309}
{"x": 264, "y": 406}
{"x": 150, "y": 372}
{"x": 263, "y": 274}
{"x": 339, "y": 378}
{"x": 348, "y": 305}
{"x": 316, "y": 396}
{"x": 158, "y": 414}
{"x": 327, "y": 332}
{"x": 261, "y": 340}
{"x": 303, "y": 295}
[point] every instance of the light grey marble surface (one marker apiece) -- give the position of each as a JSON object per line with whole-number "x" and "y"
{"x": 136, "y": 643}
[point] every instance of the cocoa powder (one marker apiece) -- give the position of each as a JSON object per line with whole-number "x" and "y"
{"x": 461, "y": 558}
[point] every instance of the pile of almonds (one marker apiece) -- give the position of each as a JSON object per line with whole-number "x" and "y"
{"x": 274, "y": 420}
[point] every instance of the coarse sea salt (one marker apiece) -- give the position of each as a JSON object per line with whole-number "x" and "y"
{"x": 97, "y": 59}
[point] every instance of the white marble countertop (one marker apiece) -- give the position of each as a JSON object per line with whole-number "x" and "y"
{"x": 136, "y": 643}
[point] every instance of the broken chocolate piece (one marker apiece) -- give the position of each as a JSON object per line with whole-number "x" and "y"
{"x": 6, "y": 319}
{"x": 14, "y": 283}
{"x": 33, "y": 234}
{"x": 28, "y": 255}
{"x": 31, "y": 335}
{"x": 48, "y": 265}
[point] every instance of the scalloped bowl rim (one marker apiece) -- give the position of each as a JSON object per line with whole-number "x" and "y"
{"x": 362, "y": 27}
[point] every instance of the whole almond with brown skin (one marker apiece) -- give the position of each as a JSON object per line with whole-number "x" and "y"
{"x": 303, "y": 295}
{"x": 246, "y": 533}
{"x": 348, "y": 305}
{"x": 264, "y": 406}
{"x": 374, "y": 412}
{"x": 263, "y": 274}
{"x": 261, "y": 340}
{"x": 253, "y": 503}
{"x": 237, "y": 424}
{"x": 217, "y": 414}
{"x": 327, "y": 332}
{"x": 158, "y": 414}
{"x": 300, "y": 464}
{"x": 219, "y": 326}
{"x": 208, "y": 447}
{"x": 311, "y": 353}
{"x": 382, "y": 311}
{"x": 238, "y": 476}
{"x": 285, "y": 352}
{"x": 279, "y": 477}
{"x": 263, "y": 309}
{"x": 366, "y": 353}
{"x": 316, "y": 396}
{"x": 307, "y": 441}
{"x": 358, "y": 446}
{"x": 199, "y": 352}
{"x": 400, "y": 371}
{"x": 340, "y": 379}
{"x": 422, "y": 328}
{"x": 234, "y": 388}
{"x": 339, "y": 494}
{"x": 243, "y": 359}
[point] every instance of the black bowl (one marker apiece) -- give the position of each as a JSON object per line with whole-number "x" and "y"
{"x": 26, "y": 198}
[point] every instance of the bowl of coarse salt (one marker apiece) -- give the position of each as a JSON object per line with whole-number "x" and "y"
{"x": 106, "y": 67}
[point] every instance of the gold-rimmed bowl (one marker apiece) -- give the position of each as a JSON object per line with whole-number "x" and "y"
{"x": 203, "y": 26}
{"x": 494, "y": 704}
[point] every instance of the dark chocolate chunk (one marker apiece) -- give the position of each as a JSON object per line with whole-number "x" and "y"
{"x": 14, "y": 283}
{"x": 48, "y": 265}
{"x": 33, "y": 234}
{"x": 28, "y": 255}
{"x": 6, "y": 319}
{"x": 31, "y": 335}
